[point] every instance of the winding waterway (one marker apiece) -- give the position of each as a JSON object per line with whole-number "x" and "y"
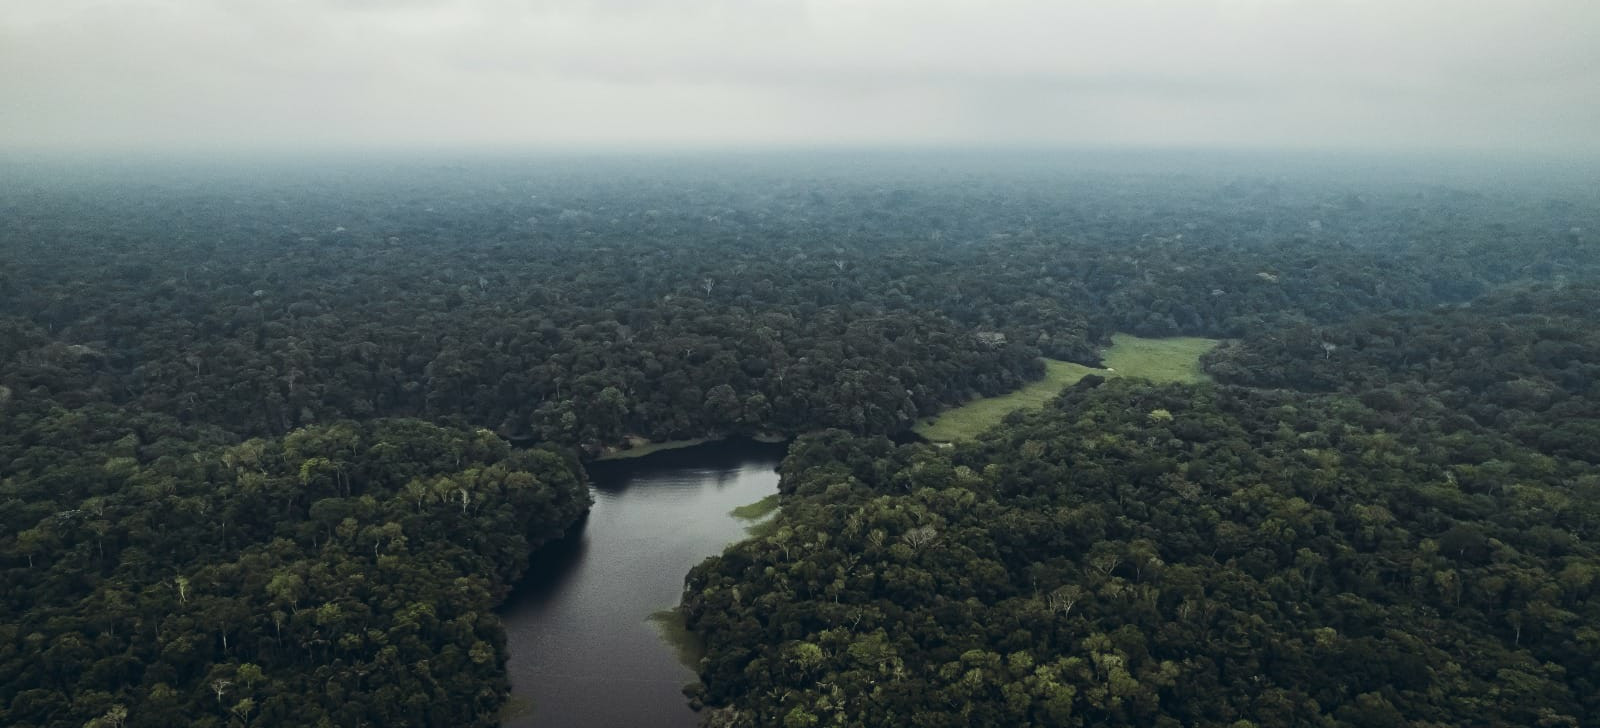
{"x": 584, "y": 653}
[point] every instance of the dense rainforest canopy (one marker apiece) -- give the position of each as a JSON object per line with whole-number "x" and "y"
{"x": 576, "y": 305}
{"x": 274, "y": 444}
{"x": 1167, "y": 556}
{"x": 343, "y": 573}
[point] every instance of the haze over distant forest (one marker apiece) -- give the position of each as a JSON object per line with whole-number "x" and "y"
{"x": 410, "y": 74}
{"x": 1223, "y": 364}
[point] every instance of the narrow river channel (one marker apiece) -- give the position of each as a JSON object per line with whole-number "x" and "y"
{"x": 584, "y": 653}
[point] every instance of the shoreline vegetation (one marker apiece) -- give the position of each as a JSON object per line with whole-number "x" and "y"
{"x": 270, "y": 439}
{"x": 757, "y": 510}
{"x": 675, "y": 633}
{"x": 639, "y": 447}
{"x": 758, "y": 516}
{"x": 1167, "y": 360}
{"x": 515, "y": 708}
{"x": 671, "y": 624}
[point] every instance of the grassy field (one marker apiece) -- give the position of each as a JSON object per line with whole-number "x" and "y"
{"x": 1158, "y": 360}
{"x": 978, "y": 415}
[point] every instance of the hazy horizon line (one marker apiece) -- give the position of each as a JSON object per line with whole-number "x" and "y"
{"x": 222, "y": 152}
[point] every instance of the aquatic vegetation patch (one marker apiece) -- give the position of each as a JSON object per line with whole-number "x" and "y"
{"x": 675, "y": 632}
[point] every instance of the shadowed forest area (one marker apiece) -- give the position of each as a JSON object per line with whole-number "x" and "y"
{"x": 275, "y": 441}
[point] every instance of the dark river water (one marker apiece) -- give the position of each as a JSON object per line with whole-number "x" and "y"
{"x": 584, "y": 653}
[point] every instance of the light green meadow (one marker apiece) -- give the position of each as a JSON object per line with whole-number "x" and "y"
{"x": 1158, "y": 360}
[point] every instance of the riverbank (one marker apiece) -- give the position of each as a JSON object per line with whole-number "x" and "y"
{"x": 639, "y": 447}
{"x": 593, "y": 638}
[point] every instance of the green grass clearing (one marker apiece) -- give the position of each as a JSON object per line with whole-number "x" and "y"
{"x": 1158, "y": 360}
{"x": 687, "y": 644}
{"x": 966, "y": 421}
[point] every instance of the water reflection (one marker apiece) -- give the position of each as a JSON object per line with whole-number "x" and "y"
{"x": 549, "y": 569}
{"x": 582, "y": 651}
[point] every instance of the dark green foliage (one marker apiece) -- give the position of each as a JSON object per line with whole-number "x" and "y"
{"x": 581, "y": 304}
{"x": 209, "y": 516}
{"x": 343, "y": 573}
{"x": 1524, "y": 363}
{"x": 1277, "y": 559}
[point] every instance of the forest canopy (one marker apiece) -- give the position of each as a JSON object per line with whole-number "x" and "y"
{"x": 1178, "y": 555}
{"x": 340, "y": 573}
{"x": 276, "y": 441}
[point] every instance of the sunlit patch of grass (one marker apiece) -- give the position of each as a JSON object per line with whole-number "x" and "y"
{"x": 1158, "y": 360}
{"x": 675, "y": 632}
{"x": 968, "y": 420}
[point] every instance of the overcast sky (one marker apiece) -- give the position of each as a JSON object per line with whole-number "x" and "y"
{"x": 1498, "y": 75}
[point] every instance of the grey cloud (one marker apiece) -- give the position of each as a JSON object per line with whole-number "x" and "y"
{"x": 1451, "y": 73}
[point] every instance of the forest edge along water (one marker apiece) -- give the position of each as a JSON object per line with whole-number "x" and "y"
{"x": 592, "y": 637}
{"x": 276, "y": 444}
